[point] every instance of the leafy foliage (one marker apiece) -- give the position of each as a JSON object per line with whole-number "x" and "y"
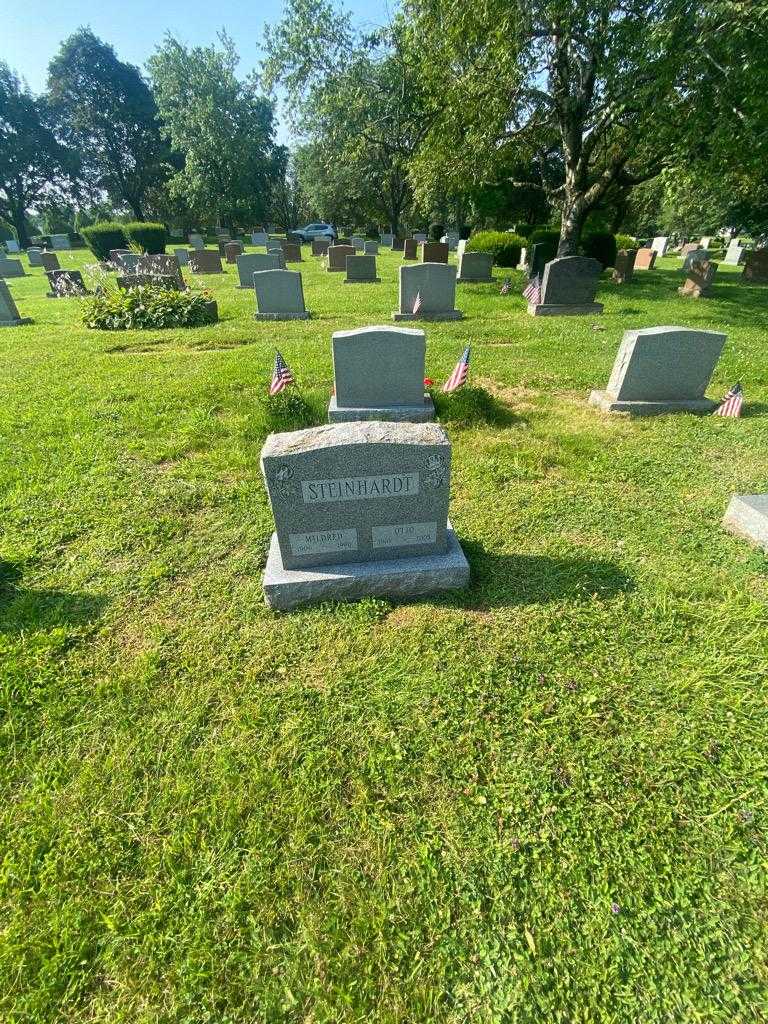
{"x": 102, "y": 238}
{"x": 146, "y": 307}
{"x": 601, "y": 246}
{"x": 148, "y": 237}
{"x": 503, "y": 246}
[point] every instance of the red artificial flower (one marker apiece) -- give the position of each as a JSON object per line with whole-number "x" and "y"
{"x": 428, "y": 382}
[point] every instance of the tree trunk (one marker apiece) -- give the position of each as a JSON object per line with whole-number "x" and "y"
{"x": 571, "y": 223}
{"x": 138, "y": 213}
{"x": 19, "y": 221}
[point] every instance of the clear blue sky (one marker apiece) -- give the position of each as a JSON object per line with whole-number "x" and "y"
{"x": 32, "y": 30}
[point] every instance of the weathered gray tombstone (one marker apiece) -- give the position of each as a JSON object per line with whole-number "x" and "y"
{"x": 34, "y": 255}
{"x": 360, "y": 509}
{"x": 358, "y": 242}
{"x": 371, "y": 248}
{"x": 337, "y": 258}
{"x": 49, "y": 261}
{"x": 181, "y": 256}
{"x": 645, "y": 259}
{"x": 12, "y": 245}
{"x": 747, "y": 517}
{"x": 379, "y": 375}
{"x": 115, "y": 254}
{"x": 698, "y": 283}
{"x": 11, "y": 268}
{"x": 9, "y": 314}
{"x": 387, "y": 238}
{"x": 410, "y": 249}
{"x": 259, "y": 238}
{"x": 66, "y": 284}
{"x": 434, "y": 284}
{"x": 279, "y": 295}
{"x": 196, "y": 241}
{"x": 361, "y": 269}
{"x": 320, "y": 246}
{"x": 434, "y": 252}
{"x": 733, "y": 254}
{"x": 687, "y": 249}
{"x": 127, "y": 262}
{"x": 292, "y": 253}
{"x": 419, "y": 236}
{"x": 250, "y": 263}
{"x": 205, "y": 261}
{"x": 659, "y": 244}
{"x": 662, "y": 369}
{"x": 166, "y": 282}
{"x": 568, "y": 287}
{"x": 475, "y": 268}
{"x": 624, "y": 266}
{"x": 60, "y": 242}
{"x": 695, "y": 256}
{"x": 755, "y": 267}
{"x": 397, "y": 244}
{"x": 232, "y": 250}
{"x": 158, "y": 265}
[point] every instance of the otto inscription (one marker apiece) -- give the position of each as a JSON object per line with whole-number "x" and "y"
{"x": 323, "y": 541}
{"x": 354, "y": 488}
{"x": 403, "y": 535}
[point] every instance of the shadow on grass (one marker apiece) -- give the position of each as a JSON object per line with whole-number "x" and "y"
{"x": 26, "y": 611}
{"x": 473, "y": 406}
{"x": 499, "y": 581}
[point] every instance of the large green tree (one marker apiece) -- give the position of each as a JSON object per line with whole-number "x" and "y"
{"x": 223, "y": 126}
{"x": 355, "y": 98}
{"x": 611, "y": 90}
{"x": 106, "y": 111}
{"x": 33, "y": 164}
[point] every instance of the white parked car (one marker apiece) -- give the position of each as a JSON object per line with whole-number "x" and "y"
{"x": 318, "y": 230}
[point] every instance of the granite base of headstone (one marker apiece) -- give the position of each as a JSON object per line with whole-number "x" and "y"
{"x": 360, "y": 509}
{"x": 9, "y": 314}
{"x": 379, "y": 375}
{"x": 361, "y": 269}
{"x": 279, "y": 295}
{"x": 747, "y": 517}
{"x": 568, "y": 288}
{"x": 434, "y": 285}
{"x": 475, "y": 268}
{"x": 660, "y": 370}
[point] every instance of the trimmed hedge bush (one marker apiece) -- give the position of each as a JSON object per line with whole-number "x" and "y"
{"x": 101, "y": 238}
{"x": 601, "y": 246}
{"x": 150, "y": 238}
{"x": 549, "y": 239}
{"x": 436, "y": 232}
{"x": 145, "y": 307}
{"x": 504, "y": 247}
{"x": 625, "y": 242}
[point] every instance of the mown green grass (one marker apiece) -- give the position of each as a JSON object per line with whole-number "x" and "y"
{"x": 543, "y": 799}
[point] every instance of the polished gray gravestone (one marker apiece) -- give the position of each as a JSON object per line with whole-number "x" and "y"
{"x": 9, "y": 314}
{"x": 434, "y": 252}
{"x": 435, "y": 285}
{"x": 419, "y": 236}
{"x": 279, "y": 295}
{"x": 66, "y": 284}
{"x": 250, "y": 262}
{"x": 181, "y": 256}
{"x": 196, "y": 241}
{"x": 371, "y": 248}
{"x": 60, "y": 242}
{"x": 159, "y": 265}
{"x": 358, "y": 242}
{"x": 292, "y": 252}
{"x": 662, "y": 369}
{"x": 49, "y": 261}
{"x": 360, "y": 509}
{"x": 361, "y": 269}
{"x": 34, "y": 255}
{"x": 379, "y": 375}
{"x": 232, "y": 250}
{"x": 125, "y": 261}
{"x": 167, "y": 282}
{"x": 747, "y": 516}
{"x": 410, "y": 249}
{"x": 337, "y": 257}
{"x": 11, "y": 268}
{"x": 568, "y": 287}
{"x": 475, "y": 268}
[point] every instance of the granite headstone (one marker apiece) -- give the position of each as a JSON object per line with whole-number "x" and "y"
{"x": 568, "y": 287}
{"x": 434, "y": 286}
{"x": 279, "y": 295}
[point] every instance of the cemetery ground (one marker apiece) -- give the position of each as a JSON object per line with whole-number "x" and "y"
{"x": 541, "y": 799}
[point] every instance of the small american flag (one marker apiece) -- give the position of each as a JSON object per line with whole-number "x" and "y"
{"x": 459, "y": 375}
{"x": 281, "y": 375}
{"x": 532, "y": 290}
{"x": 506, "y": 285}
{"x": 417, "y": 304}
{"x": 731, "y": 404}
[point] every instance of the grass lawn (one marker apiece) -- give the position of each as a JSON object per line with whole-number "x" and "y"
{"x": 540, "y": 800}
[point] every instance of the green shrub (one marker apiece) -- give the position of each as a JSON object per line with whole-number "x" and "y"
{"x": 504, "y": 247}
{"x": 601, "y": 246}
{"x": 625, "y": 242}
{"x": 436, "y": 232}
{"x": 549, "y": 239}
{"x": 147, "y": 307}
{"x": 150, "y": 238}
{"x": 101, "y": 238}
